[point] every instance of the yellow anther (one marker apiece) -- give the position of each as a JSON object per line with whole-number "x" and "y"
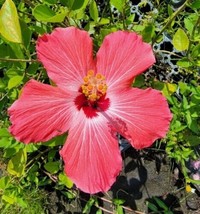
{"x": 100, "y": 87}
{"x": 93, "y": 97}
{"x": 90, "y": 87}
{"x": 98, "y": 76}
{"x": 86, "y": 79}
{"x": 94, "y": 86}
{"x": 90, "y": 73}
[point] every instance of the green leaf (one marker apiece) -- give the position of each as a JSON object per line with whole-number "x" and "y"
{"x": 50, "y": 1}
{"x": 4, "y": 182}
{"x": 139, "y": 81}
{"x": 77, "y": 4}
{"x": 152, "y": 207}
{"x": 14, "y": 81}
{"x": 160, "y": 203}
{"x": 56, "y": 141}
{"x": 18, "y": 53}
{"x": 88, "y": 205}
{"x": 180, "y": 40}
{"x": 195, "y": 4}
{"x": 9, "y": 22}
{"x": 93, "y": 11}
{"x": 17, "y": 164}
{"x": 5, "y": 142}
{"x": 148, "y": 32}
{"x": 119, "y": 4}
{"x": 184, "y": 63}
{"x": 63, "y": 179}
{"x": 26, "y": 32}
{"x": 44, "y": 13}
{"x": 120, "y": 210}
{"x": 4, "y": 132}
{"x": 9, "y": 199}
{"x": 52, "y": 167}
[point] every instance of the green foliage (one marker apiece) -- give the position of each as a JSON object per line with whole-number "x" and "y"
{"x": 9, "y": 22}
{"x": 44, "y": 13}
{"x": 34, "y": 166}
{"x": 180, "y": 40}
{"x": 157, "y": 206}
{"x": 184, "y": 134}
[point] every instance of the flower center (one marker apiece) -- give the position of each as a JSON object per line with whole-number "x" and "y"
{"x": 94, "y": 86}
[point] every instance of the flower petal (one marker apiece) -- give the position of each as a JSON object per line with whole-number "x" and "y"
{"x": 122, "y": 56}
{"x": 67, "y": 56}
{"x": 142, "y": 115}
{"x": 91, "y": 154}
{"x": 41, "y": 112}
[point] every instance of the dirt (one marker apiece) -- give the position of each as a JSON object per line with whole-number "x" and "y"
{"x": 145, "y": 175}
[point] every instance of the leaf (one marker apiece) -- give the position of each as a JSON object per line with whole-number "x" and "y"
{"x": 8, "y": 199}
{"x": 184, "y": 63}
{"x": 14, "y": 81}
{"x": 4, "y": 132}
{"x": 120, "y": 210}
{"x": 56, "y": 141}
{"x": 119, "y": 4}
{"x": 65, "y": 180}
{"x": 180, "y": 40}
{"x": 18, "y": 53}
{"x": 88, "y": 205}
{"x": 4, "y": 182}
{"x": 148, "y": 32}
{"x": 52, "y": 167}
{"x": 50, "y": 1}
{"x": 152, "y": 207}
{"x": 93, "y": 11}
{"x": 195, "y": 4}
{"x": 17, "y": 164}
{"x": 77, "y": 4}
{"x": 44, "y": 13}
{"x": 26, "y": 32}
{"x": 9, "y": 22}
{"x": 160, "y": 203}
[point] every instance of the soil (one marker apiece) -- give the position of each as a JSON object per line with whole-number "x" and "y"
{"x": 145, "y": 175}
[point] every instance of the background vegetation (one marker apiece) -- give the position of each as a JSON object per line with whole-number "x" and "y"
{"x": 27, "y": 172}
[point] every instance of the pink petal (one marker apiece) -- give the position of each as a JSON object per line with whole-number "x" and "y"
{"x": 123, "y": 56}
{"x": 142, "y": 116}
{"x": 91, "y": 154}
{"x": 67, "y": 56}
{"x": 41, "y": 112}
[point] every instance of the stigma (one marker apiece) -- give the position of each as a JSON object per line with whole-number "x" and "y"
{"x": 94, "y": 86}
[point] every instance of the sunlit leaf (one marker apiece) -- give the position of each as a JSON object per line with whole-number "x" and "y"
{"x": 52, "y": 167}
{"x": 4, "y": 182}
{"x": 14, "y": 81}
{"x": 44, "y": 13}
{"x": 180, "y": 40}
{"x": 119, "y": 4}
{"x": 63, "y": 179}
{"x": 17, "y": 164}
{"x": 9, "y": 199}
{"x": 9, "y": 22}
{"x": 79, "y": 5}
{"x": 94, "y": 10}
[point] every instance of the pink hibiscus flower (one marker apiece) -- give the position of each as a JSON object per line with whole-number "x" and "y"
{"x": 93, "y": 100}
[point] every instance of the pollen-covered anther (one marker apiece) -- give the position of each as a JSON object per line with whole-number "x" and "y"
{"x": 94, "y": 86}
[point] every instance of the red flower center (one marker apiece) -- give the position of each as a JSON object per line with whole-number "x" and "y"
{"x": 93, "y": 91}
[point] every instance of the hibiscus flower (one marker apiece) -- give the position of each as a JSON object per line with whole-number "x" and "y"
{"x": 93, "y": 100}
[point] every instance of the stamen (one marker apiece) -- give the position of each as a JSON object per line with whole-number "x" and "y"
{"x": 94, "y": 86}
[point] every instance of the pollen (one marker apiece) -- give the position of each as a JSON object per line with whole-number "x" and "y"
{"x": 94, "y": 86}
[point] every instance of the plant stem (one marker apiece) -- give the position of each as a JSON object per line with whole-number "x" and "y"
{"x": 192, "y": 36}
{"x": 17, "y": 60}
{"x": 173, "y": 16}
